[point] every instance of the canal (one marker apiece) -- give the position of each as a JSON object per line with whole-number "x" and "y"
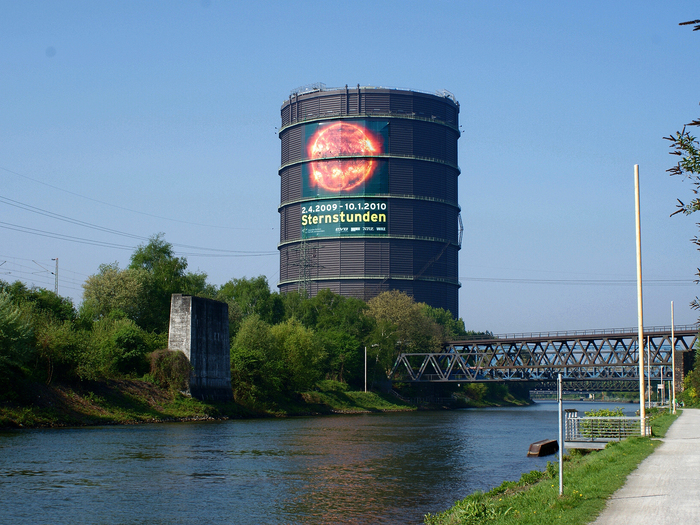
{"x": 361, "y": 469}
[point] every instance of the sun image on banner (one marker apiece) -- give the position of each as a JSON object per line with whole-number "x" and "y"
{"x": 341, "y": 158}
{"x": 341, "y": 161}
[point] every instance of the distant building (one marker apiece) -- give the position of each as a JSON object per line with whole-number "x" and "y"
{"x": 369, "y": 193}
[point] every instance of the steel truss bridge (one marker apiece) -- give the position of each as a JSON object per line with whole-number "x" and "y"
{"x": 600, "y": 356}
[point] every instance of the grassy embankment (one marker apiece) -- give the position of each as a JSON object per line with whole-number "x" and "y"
{"x": 589, "y": 480}
{"x": 135, "y": 401}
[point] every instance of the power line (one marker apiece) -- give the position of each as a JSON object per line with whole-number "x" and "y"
{"x": 129, "y": 209}
{"x": 586, "y": 282}
{"x": 53, "y": 235}
{"x": 46, "y": 213}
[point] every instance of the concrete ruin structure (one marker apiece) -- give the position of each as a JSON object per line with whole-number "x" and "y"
{"x": 199, "y": 329}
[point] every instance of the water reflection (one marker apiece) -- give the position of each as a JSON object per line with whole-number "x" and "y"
{"x": 379, "y": 468}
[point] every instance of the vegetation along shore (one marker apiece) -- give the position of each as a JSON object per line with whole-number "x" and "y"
{"x": 589, "y": 480}
{"x": 106, "y": 361}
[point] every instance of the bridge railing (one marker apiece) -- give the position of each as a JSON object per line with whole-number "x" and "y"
{"x": 605, "y": 331}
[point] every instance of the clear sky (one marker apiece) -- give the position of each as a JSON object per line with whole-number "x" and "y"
{"x": 131, "y": 118}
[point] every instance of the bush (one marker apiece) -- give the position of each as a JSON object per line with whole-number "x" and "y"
{"x": 116, "y": 347}
{"x": 131, "y": 349}
{"x": 170, "y": 369}
{"x": 16, "y": 334}
{"x": 59, "y": 348}
{"x": 691, "y": 389}
{"x": 328, "y": 385}
{"x": 608, "y": 428}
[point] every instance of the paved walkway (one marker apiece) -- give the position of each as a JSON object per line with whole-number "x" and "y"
{"x": 665, "y": 488}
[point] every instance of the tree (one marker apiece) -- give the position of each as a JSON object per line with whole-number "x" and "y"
{"x": 115, "y": 347}
{"x": 452, "y": 328}
{"x": 166, "y": 275}
{"x": 256, "y": 362}
{"x": 253, "y": 297}
{"x": 60, "y": 348}
{"x": 301, "y": 353}
{"x": 687, "y": 147}
{"x": 43, "y": 300}
{"x": 114, "y": 292}
{"x": 16, "y": 334}
{"x": 342, "y": 326}
{"x": 401, "y": 326}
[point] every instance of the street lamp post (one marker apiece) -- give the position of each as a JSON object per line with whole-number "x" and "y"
{"x": 365, "y": 368}
{"x": 640, "y": 309}
{"x": 561, "y": 435}
{"x": 673, "y": 359}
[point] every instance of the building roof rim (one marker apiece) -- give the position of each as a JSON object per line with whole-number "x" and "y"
{"x": 320, "y": 87}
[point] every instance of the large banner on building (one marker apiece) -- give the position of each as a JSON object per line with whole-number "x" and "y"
{"x": 339, "y": 217}
{"x": 342, "y": 160}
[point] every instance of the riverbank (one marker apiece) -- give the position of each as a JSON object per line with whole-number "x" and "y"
{"x": 129, "y": 401}
{"x": 589, "y": 480}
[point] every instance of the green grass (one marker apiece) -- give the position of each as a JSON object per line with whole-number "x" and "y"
{"x": 123, "y": 401}
{"x": 350, "y": 402}
{"x": 135, "y": 401}
{"x": 589, "y": 480}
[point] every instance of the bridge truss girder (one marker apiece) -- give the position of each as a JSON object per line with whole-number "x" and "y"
{"x": 572, "y": 386}
{"x": 590, "y": 357}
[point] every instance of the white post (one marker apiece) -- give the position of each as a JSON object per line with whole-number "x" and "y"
{"x": 673, "y": 359}
{"x": 640, "y": 316}
{"x": 648, "y": 372}
{"x": 365, "y": 369}
{"x": 561, "y": 437}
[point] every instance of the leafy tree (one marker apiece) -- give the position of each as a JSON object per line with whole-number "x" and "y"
{"x": 116, "y": 347}
{"x": 116, "y": 293}
{"x": 60, "y": 348}
{"x": 342, "y": 326}
{"x": 301, "y": 353}
{"x": 294, "y": 306}
{"x": 413, "y": 329}
{"x": 256, "y": 362}
{"x": 253, "y": 297}
{"x": 166, "y": 275}
{"x": 687, "y": 147}
{"x": 401, "y": 326}
{"x": 452, "y": 328}
{"x": 43, "y": 300}
{"x": 16, "y": 333}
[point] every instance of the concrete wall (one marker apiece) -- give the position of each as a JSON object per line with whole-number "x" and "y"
{"x": 199, "y": 329}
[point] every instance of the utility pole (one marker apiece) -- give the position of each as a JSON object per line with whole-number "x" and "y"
{"x": 56, "y": 276}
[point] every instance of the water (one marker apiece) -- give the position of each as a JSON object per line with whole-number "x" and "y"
{"x": 372, "y": 468}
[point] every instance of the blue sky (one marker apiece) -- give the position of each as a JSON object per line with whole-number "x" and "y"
{"x": 147, "y": 117}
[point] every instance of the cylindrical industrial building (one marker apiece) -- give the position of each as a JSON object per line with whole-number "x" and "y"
{"x": 369, "y": 193}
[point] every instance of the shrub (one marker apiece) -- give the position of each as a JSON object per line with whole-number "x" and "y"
{"x": 328, "y": 385}
{"x": 170, "y": 369}
{"x": 609, "y": 428}
{"x": 59, "y": 349}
